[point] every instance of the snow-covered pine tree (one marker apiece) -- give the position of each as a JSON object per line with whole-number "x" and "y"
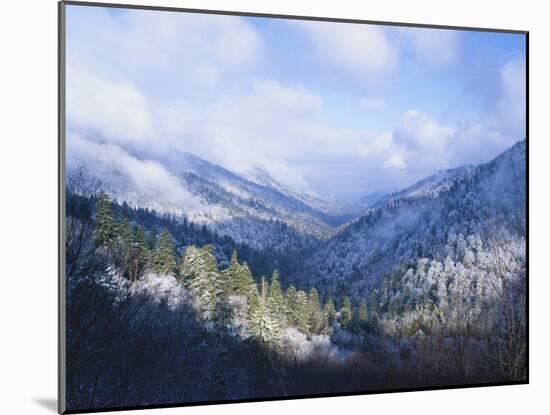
{"x": 105, "y": 224}
{"x": 276, "y": 300}
{"x": 230, "y": 276}
{"x": 297, "y": 309}
{"x": 164, "y": 257}
{"x": 315, "y": 316}
{"x": 234, "y": 257}
{"x": 189, "y": 264}
{"x": 265, "y": 327}
{"x": 199, "y": 273}
{"x": 291, "y": 302}
{"x": 329, "y": 311}
{"x": 302, "y": 311}
{"x": 246, "y": 285}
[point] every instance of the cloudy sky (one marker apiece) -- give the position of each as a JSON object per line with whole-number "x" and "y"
{"x": 335, "y": 108}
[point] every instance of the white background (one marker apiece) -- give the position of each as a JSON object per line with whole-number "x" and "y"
{"x": 28, "y": 204}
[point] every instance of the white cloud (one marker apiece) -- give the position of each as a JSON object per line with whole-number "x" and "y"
{"x": 372, "y": 104}
{"x": 277, "y": 127}
{"x": 267, "y": 127}
{"x": 158, "y": 83}
{"x": 511, "y": 106}
{"x": 361, "y": 50}
{"x": 424, "y": 144}
{"x": 237, "y": 42}
{"x": 175, "y": 46}
{"x": 418, "y": 132}
{"x": 115, "y": 110}
{"x": 417, "y": 146}
{"x": 206, "y": 75}
{"x": 280, "y": 128}
{"x": 501, "y": 125}
{"x": 290, "y": 99}
{"x": 118, "y": 112}
{"x": 129, "y": 177}
{"x": 438, "y": 47}
{"x": 131, "y": 77}
{"x": 395, "y": 161}
{"x": 372, "y": 53}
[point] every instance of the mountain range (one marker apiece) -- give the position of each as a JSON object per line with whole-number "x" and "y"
{"x": 351, "y": 245}
{"x": 427, "y": 220}
{"x": 206, "y": 193}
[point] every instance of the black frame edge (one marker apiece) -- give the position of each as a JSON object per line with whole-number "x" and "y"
{"x": 528, "y": 276}
{"x": 61, "y": 324}
{"x": 293, "y": 398}
{"x": 292, "y": 17}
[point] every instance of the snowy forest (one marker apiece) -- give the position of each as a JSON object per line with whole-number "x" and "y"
{"x": 422, "y": 289}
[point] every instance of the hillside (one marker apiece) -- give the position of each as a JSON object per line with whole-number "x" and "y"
{"x": 226, "y": 202}
{"x": 424, "y": 220}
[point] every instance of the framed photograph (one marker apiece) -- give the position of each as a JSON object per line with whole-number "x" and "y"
{"x": 260, "y": 207}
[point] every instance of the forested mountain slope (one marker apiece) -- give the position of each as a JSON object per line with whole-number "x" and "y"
{"x": 282, "y": 247}
{"x": 478, "y": 203}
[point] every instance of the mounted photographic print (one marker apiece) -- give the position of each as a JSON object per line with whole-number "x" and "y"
{"x": 258, "y": 207}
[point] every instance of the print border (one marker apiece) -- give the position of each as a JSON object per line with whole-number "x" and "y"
{"x": 62, "y": 409}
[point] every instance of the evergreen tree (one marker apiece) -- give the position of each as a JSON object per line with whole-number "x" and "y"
{"x": 264, "y": 290}
{"x": 105, "y": 224}
{"x": 346, "y": 313}
{"x": 265, "y": 327}
{"x": 123, "y": 247}
{"x": 329, "y": 311}
{"x": 246, "y": 285}
{"x": 315, "y": 316}
{"x": 189, "y": 265}
{"x": 139, "y": 254}
{"x": 164, "y": 257}
{"x": 291, "y": 304}
{"x": 276, "y": 300}
{"x": 199, "y": 273}
{"x": 297, "y": 309}
{"x": 234, "y": 259}
{"x": 152, "y": 239}
{"x": 230, "y": 276}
